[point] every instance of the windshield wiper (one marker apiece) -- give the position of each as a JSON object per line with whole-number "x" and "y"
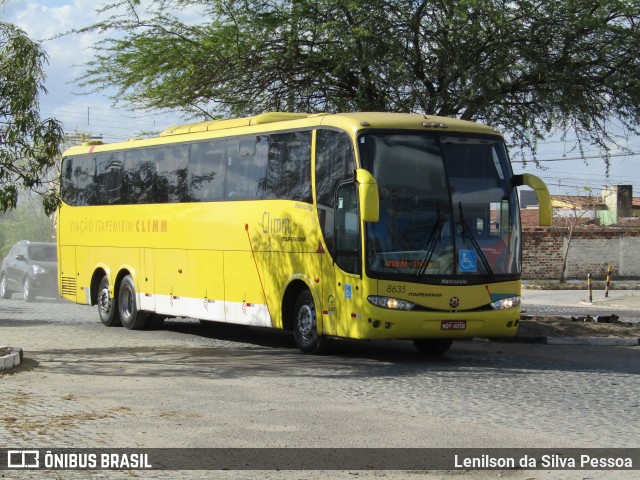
{"x": 466, "y": 234}
{"x": 430, "y": 247}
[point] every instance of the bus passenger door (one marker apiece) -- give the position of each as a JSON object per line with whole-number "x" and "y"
{"x": 335, "y": 192}
{"x": 342, "y": 268}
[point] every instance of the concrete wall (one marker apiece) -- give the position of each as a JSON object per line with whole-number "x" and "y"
{"x": 591, "y": 251}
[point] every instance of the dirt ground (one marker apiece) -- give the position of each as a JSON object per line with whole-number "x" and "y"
{"x": 535, "y": 326}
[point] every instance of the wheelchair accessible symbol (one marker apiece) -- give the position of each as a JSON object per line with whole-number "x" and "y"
{"x": 467, "y": 262}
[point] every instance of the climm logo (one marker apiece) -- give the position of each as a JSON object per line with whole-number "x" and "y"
{"x": 151, "y": 226}
{"x": 277, "y": 225}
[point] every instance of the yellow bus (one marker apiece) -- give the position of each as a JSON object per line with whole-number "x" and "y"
{"x": 354, "y": 225}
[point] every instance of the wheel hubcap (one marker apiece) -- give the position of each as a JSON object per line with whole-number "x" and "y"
{"x": 104, "y": 302}
{"x": 127, "y": 303}
{"x": 306, "y": 322}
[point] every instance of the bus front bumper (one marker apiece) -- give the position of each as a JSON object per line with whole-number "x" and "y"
{"x": 451, "y": 325}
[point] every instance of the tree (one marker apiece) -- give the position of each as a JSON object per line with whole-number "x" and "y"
{"x": 576, "y": 207}
{"x": 29, "y": 146}
{"x": 27, "y": 221}
{"x": 529, "y": 67}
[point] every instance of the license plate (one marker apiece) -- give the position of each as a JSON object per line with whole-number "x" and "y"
{"x": 453, "y": 325}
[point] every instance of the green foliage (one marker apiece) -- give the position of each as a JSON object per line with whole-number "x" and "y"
{"x": 29, "y": 146}
{"x": 525, "y": 66}
{"x": 27, "y": 221}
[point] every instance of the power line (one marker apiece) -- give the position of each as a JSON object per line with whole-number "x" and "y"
{"x": 590, "y": 157}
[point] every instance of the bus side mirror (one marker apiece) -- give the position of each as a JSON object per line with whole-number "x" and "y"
{"x": 368, "y": 196}
{"x": 542, "y": 192}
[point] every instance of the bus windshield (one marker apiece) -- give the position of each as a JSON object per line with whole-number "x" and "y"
{"x": 446, "y": 208}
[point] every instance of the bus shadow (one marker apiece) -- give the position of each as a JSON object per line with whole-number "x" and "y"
{"x": 274, "y": 338}
{"x": 383, "y": 351}
{"x": 237, "y": 334}
{"x": 493, "y": 357}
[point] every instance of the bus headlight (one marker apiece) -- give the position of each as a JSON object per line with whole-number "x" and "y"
{"x": 505, "y": 303}
{"x": 391, "y": 303}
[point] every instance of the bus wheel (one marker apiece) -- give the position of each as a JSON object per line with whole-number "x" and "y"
{"x": 432, "y": 347}
{"x": 106, "y": 305}
{"x": 130, "y": 316}
{"x": 305, "y": 325}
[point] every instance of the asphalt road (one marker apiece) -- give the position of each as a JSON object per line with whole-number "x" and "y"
{"x": 202, "y": 386}
{"x": 624, "y": 303}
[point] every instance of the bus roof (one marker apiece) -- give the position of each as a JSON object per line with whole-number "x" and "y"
{"x": 352, "y": 122}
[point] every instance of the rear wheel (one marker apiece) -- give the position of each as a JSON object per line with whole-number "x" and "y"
{"x": 305, "y": 326}
{"x": 4, "y": 291}
{"x": 27, "y": 290}
{"x": 432, "y": 347}
{"x": 107, "y": 305}
{"x": 130, "y": 316}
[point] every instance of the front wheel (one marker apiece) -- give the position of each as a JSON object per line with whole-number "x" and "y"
{"x": 4, "y": 291}
{"x": 130, "y": 316}
{"x": 432, "y": 347}
{"x": 27, "y": 290}
{"x": 305, "y": 326}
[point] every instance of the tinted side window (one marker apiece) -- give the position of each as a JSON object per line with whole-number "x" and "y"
{"x": 347, "y": 228}
{"x": 84, "y": 172}
{"x": 109, "y": 168}
{"x": 171, "y": 173}
{"x": 68, "y": 187}
{"x": 42, "y": 253}
{"x": 334, "y": 163}
{"x": 246, "y": 164}
{"x": 139, "y": 176}
{"x": 289, "y": 172}
{"x": 206, "y": 171}
{"x": 260, "y": 165}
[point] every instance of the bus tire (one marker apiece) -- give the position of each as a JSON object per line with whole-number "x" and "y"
{"x": 107, "y": 305}
{"x": 305, "y": 327}
{"x": 433, "y": 347}
{"x": 130, "y": 316}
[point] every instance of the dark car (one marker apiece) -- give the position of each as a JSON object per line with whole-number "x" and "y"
{"x": 30, "y": 268}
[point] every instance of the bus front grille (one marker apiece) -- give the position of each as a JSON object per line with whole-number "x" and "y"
{"x": 68, "y": 286}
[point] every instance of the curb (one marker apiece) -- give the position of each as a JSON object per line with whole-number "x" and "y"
{"x": 12, "y": 359}
{"x": 599, "y": 341}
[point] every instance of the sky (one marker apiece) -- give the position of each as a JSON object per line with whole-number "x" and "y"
{"x": 561, "y": 166}
{"x": 65, "y": 101}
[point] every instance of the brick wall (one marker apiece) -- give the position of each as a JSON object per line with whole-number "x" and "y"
{"x": 592, "y": 250}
